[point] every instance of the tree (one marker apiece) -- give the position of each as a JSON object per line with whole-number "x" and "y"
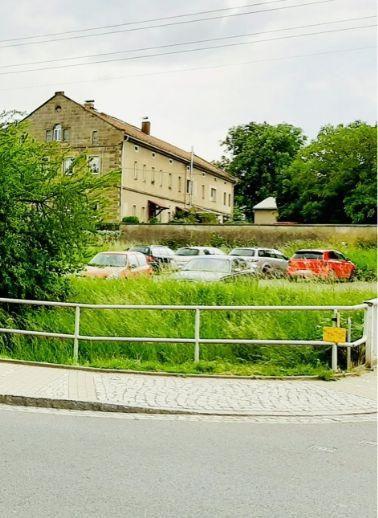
{"x": 257, "y": 156}
{"x": 333, "y": 179}
{"x": 47, "y": 218}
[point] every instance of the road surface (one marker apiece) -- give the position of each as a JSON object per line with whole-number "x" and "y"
{"x": 67, "y": 464}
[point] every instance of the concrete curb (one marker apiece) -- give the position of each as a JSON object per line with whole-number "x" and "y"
{"x": 94, "y": 406}
{"x": 178, "y": 374}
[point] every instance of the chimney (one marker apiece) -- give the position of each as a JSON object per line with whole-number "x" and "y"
{"x": 146, "y": 125}
{"x": 59, "y": 93}
{"x": 89, "y": 104}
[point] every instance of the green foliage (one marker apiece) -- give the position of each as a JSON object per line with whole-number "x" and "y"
{"x": 258, "y": 154}
{"x": 192, "y": 217}
{"x": 130, "y": 220}
{"x": 333, "y": 180}
{"x": 216, "y": 358}
{"x": 47, "y": 218}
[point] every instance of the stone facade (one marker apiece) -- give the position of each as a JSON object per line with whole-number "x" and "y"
{"x": 155, "y": 178}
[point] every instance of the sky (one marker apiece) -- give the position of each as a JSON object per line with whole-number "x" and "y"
{"x": 193, "y": 98}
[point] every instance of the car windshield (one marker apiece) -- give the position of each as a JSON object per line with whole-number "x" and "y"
{"x": 243, "y": 252}
{"x": 104, "y": 259}
{"x": 187, "y": 251}
{"x": 141, "y": 249}
{"x": 309, "y": 254}
{"x": 209, "y": 265}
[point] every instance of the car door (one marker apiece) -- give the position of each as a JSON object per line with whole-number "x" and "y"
{"x": 345, "y": 266}
{"x": 334, "y": 265}
{"x": 264, "y": 263}
{"x": 280, "y": 261}
{"x": 133, "y": 268}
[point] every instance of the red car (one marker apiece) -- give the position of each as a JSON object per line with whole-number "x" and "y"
{"x": 324, "y": 264}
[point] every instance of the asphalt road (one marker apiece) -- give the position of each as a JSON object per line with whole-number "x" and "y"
{"x": 66, "y": 465}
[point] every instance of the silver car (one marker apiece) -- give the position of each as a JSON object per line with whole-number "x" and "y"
{"x": 215, "y": 268}
{"x": 187, "y": 253}
{"x": 267, "y": 261}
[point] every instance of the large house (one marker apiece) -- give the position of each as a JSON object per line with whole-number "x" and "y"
{"x": 156, "y": 178}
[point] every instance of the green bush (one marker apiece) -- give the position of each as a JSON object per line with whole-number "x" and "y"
{"x": 47, "y": 218}
{"x": 130, "y": 220}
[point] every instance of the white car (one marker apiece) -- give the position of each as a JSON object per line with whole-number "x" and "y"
{"x": 267, "y": 260}
{"x": 187, "y": 253}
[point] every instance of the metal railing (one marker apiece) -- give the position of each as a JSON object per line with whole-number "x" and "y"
{"x": 368, "y": 338}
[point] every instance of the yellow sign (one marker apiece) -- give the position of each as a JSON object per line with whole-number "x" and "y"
{"x": 334, "y": 334}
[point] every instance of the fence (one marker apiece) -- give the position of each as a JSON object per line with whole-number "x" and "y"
{"x": 369, "y": 338}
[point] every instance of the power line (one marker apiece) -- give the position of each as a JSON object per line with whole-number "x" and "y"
{"x": 194, "y": 69}
{"x": 196, "y": 13}
{"x": 168, "y": 24}
{"x": 143, "y": 49}
{"x": 186, "y": 51}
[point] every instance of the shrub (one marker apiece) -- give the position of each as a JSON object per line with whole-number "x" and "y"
{"x": 130, "y": 220}
{"x": 47, "y": 219}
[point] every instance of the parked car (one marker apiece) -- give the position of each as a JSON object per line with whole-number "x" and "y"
{"x": 325, "y": 264}
{"x": 118, "y": 265}
{"x": 214, "y": 268}
{"x": 187, "y": 253}
{"x": 267, "y": 260}
{"x": 157, "y": 256}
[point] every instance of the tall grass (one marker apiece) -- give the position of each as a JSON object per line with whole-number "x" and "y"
{"x": 239, "y": 358}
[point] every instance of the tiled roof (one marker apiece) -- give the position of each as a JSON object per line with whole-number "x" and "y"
{"x": 136, "y": 133}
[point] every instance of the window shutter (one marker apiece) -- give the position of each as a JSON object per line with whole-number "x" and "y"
{"x": 48, "y": 135}
{"x": 66, "y": 134}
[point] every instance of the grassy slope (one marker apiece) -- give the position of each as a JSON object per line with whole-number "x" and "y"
{"x": 237, "y": 359}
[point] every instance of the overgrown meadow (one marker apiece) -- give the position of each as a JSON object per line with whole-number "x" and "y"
{"x": 215, "y": 358}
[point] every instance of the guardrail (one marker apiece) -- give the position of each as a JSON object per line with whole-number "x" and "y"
{"x": 369, "y": 337}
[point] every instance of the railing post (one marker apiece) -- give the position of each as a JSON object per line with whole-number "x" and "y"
{"x": 370, "y": 331}
{"x": 349, "y": 349}
{"x": 76, "y": 334}
{"x": 197, "y": 323}
{"x": 336, "y": 323}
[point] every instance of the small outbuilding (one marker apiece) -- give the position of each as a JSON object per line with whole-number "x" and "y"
{"x": 266, "y": 212}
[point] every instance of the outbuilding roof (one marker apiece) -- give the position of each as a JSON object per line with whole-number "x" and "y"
{"x": 267, "y": 204}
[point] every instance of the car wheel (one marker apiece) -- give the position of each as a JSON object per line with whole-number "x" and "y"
{"x": 266, "y": 271}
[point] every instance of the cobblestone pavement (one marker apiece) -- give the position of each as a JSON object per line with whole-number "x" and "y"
{"x": 212, "y": 396}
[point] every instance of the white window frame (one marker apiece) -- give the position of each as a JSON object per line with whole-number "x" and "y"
{"x": 57, "y": 133}
{"x": 67, "y": 165}
{"x": 94, "y": 162}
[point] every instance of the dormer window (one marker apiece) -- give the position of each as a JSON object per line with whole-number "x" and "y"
{"x": 58, "y": 132}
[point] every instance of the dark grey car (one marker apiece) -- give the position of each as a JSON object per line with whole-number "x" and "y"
{"x": 215, "y": 268}
{"x": 267, "y": 261}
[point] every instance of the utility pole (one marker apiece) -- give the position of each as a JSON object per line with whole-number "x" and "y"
{"x": 191, "y": 177}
